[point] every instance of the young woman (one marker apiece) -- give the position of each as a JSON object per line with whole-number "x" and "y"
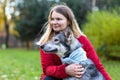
{"x": 61, "y": 17}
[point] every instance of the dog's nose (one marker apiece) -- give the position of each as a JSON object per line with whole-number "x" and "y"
{"x": 42, "y": 46}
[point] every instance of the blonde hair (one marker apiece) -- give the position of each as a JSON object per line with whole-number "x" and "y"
{"x": 67, "y": 12}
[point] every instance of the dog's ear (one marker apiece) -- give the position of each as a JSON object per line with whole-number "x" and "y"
{"x": 68, "y": 31}
{"x": 69, "y": 34}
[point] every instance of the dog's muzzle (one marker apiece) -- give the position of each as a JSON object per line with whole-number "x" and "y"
{"x": 49, "y": 49}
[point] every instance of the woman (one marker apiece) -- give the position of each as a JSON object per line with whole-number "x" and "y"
{"x": 61, "y": 17}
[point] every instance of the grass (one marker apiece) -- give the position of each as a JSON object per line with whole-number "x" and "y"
{"x": 21, "y": 64}
{"x": 113, "y": 68}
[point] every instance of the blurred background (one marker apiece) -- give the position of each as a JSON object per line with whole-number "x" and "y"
{"x": 21, "y": 25}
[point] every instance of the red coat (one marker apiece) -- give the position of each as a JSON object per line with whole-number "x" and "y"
{"x": 52, "y": 65}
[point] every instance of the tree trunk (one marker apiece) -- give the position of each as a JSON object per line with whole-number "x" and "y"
{"x": 7, "y": 35}
{"x": 93, "y": 5}
{"x": 6, "y": 25}
{"x": 27, "y": 45}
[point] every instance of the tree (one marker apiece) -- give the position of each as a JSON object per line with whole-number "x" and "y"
{"x": 6, "y": 24}
{"x": 80, "y": 9}
{"x": 107, "y": 4}
{"x": 31, "y": 18}
{"x": 1, "y": 19}
{"x": 93, "y": 5}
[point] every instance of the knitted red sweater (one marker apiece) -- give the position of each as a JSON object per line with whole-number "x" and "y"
{"x": 52, "y": 65}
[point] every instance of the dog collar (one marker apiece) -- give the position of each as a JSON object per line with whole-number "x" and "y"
{"x": 67, "y": 54}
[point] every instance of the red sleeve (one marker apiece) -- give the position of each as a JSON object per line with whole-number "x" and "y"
{"x": 91, "y": 53}
{"x": 52, "y": 65}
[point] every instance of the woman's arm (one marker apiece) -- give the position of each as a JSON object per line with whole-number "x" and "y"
{"x": 87, "y": 46}
{"x": 52, "y": 66}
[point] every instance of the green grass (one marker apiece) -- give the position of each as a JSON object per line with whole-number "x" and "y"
{"x": 21, "y": 64}
{"x": 113, "y": 68}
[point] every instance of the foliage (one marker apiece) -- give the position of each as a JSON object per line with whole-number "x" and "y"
{"x": 107, "y": 4}
{"x": 80, "y": 9}
{"x": 33, "y": 14}
{"x": 113, "y": 4}
{"x": 31, "y": 19}
{"x": 104, "y": 26}
{"x": 1, "y": 19}
{"x": 3, "y": 6}
{"x": 103, "y": 29}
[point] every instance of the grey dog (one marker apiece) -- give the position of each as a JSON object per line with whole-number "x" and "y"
{"x": 70, "y": 50}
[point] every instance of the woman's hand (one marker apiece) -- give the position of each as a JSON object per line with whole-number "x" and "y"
{"x": 74, "y": 70}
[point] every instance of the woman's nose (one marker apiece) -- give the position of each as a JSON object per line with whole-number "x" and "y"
{"x": 55, "y": 22}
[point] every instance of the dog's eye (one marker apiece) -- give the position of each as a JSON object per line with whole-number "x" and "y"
{"x": 56, "y": 40}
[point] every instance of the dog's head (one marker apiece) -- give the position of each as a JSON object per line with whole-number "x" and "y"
{"x": 61, "y": 44}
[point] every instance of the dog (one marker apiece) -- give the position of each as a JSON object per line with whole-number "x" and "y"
{"x": 70, "y": 50}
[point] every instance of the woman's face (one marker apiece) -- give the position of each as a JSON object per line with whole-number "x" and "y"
{"x": 58, "y": 21}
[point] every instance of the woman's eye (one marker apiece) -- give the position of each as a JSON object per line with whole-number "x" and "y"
{"x": 52, "y": 19}
{"x": 55, "y": 19}
{"x": 58, "y": 19}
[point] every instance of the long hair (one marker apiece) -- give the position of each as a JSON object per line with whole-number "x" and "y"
{"x": 68, "y": 13}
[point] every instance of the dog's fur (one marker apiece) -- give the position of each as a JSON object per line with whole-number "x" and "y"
{"x": 69, "y": 49}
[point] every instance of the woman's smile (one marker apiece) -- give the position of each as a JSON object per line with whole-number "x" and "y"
{"x": 58, "y": 21}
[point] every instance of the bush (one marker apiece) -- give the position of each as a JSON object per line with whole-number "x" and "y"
{"x": 102, "y": 29}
